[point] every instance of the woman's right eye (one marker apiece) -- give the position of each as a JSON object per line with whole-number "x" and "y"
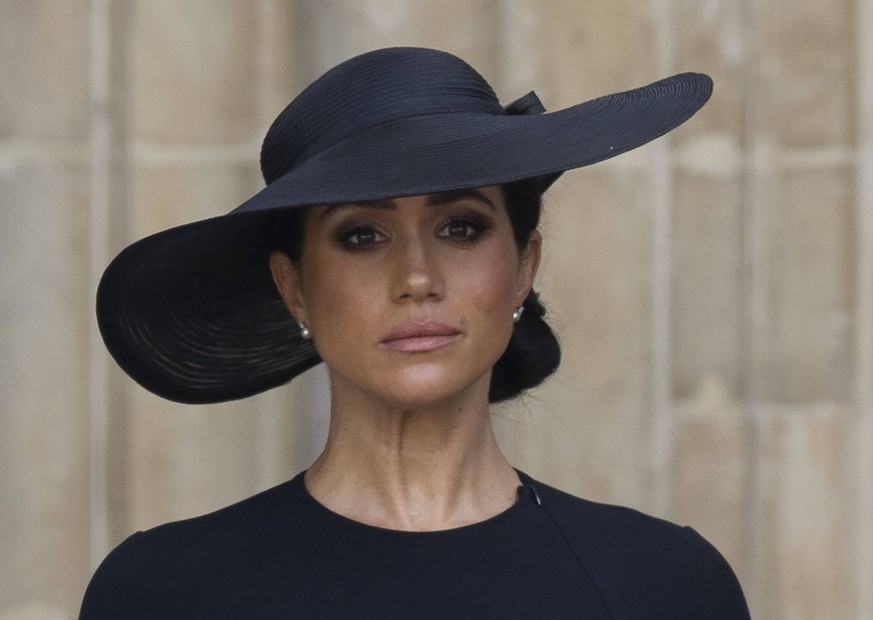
{"x": 361, "y": 237}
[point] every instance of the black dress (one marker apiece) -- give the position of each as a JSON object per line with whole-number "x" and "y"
{"x": 281, "y": 554}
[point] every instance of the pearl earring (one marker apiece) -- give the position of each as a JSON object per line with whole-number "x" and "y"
{"x": 304, "y": 331}
{"x": 516, "y": 314}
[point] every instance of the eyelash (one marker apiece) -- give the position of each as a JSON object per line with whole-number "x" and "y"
{"x": 345, "y": 236}
{"x": 474, "y": 228}
{"x": 473, "y": 224}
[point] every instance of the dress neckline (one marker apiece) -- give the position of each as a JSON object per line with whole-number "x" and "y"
{"x": 526, "y": 497}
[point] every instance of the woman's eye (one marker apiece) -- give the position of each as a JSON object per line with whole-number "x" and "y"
{"x": 362, "y": 236}
{"x": 461, "y": 230}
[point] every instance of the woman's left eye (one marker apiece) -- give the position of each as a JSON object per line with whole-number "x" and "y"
{"x": 360, "y": 237}
{"x": 461, "y": 230}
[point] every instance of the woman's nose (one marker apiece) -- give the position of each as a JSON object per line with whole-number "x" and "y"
{"x": 418, "y": 275}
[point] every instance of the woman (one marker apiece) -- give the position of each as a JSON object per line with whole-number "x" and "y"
{"x": 397, "y": 241}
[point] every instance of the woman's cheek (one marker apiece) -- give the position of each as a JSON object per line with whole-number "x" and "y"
{"x": 491, "y": 290}
{"x": 329, "y": 288}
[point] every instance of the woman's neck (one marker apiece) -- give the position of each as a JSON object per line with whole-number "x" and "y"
{"x": 418, "y": 469}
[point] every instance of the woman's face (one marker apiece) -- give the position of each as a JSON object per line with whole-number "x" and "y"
{"x": 409, "y": 300}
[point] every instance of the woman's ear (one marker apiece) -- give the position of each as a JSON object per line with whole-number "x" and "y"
{"x": 286, "y": 276}
{"x": 529, "y": 263}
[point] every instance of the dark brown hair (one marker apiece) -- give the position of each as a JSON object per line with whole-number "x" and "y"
{"x": 533, "y": 352}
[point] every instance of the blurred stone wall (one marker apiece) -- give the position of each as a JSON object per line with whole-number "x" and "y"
{"x": 713, "y": 291}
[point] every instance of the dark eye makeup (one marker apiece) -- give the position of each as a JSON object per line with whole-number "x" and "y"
{"x": 359, "y": 236}
{"x": 464, "y": 226}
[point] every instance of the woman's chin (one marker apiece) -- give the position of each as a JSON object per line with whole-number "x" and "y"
{"x": 422, "y": 390}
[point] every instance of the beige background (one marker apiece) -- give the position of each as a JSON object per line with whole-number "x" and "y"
{"x": 713, "y": 291}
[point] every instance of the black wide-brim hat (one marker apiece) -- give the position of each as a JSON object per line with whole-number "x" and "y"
{"x": 192, "y": 314}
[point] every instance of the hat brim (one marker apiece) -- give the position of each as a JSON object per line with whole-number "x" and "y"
{"x": 191, "y": 313}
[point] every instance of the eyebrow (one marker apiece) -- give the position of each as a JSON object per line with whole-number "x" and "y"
{"x": 459, "y": 194}
{"x": 437, "y": 199}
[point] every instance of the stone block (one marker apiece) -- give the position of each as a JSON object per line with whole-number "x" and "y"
{"x": 804, "y": 90}
{"x": 45, "y": 71}
{"x": 277, "y": 58}
{"x": 186, "y": 460}
{"x": 193, "y": 72}
{"x": 571, "y": 51}
{"x": 710, "y": 469}
{"x": 801, "y": 521}
{"x": 710, "y": 37}
{"x": 706, "y": 292}
{"x": 46, "y": 308}
{"x": 806, "y": 274}
{"x": 171, "y": 194}
{"x": 334, "y": 30}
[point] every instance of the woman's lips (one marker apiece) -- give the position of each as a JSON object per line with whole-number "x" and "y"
{"x": 419, "y": 336}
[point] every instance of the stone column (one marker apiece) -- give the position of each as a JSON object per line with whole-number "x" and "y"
{"x": 45, "y": 312}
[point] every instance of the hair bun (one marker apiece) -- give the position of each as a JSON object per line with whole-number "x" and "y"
{"x": 533, "y": 354}
{"x": 532, "y": 304}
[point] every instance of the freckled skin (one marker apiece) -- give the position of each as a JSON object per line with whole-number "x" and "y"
{"x": 453, "y": 261}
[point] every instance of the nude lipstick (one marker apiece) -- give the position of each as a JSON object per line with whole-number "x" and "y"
{"x": 419, "y": 336}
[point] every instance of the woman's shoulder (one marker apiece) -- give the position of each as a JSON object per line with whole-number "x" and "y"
{"x": 643, "y": 565}
{"x": 188, "y": 559}
{"x": 234, "y": 524}
{"x": 614, "y": 524}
